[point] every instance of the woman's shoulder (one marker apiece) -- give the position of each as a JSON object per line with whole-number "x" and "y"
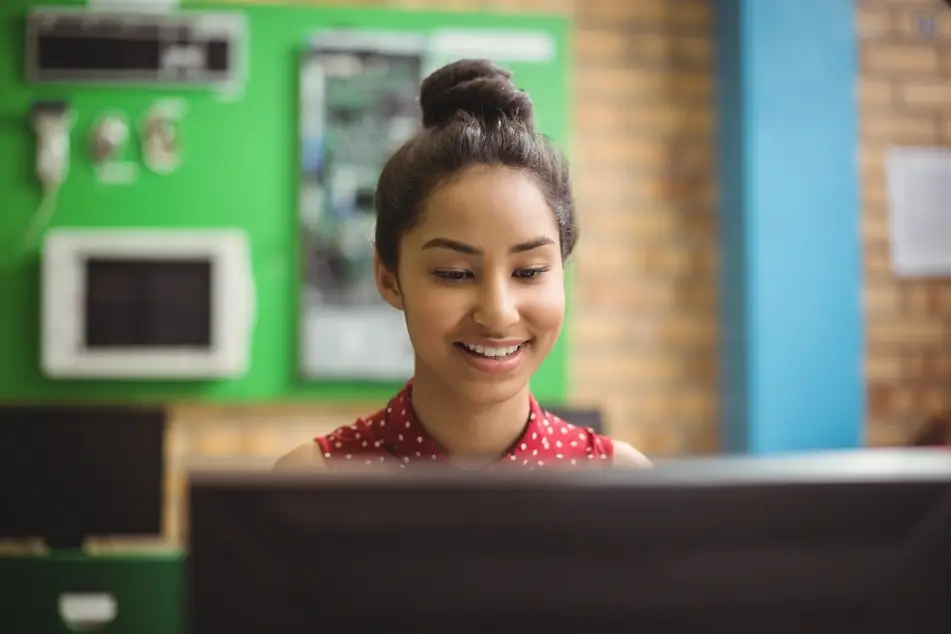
{"x": 305, "y": 457}
{"x": 593, "y": 443}
{"x": 625, "y": 455}
{"x": 356, "y": 440}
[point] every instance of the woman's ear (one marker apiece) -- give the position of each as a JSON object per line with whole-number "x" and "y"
{"x": 387, "y": 283}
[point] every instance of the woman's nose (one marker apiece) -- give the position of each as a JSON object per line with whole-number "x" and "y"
{"x": 496, "y": 309}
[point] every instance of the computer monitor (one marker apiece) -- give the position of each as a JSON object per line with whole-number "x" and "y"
{"x": 68, "y": 473}
{"x": 826, "y": 546}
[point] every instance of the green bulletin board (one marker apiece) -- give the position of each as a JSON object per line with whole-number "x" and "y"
{"x": 240, "y": 168}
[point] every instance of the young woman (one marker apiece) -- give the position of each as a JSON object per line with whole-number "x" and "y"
{"x": 475, "y": 221}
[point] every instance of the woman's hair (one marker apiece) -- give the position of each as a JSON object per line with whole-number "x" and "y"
{"x": 472, "y": 115}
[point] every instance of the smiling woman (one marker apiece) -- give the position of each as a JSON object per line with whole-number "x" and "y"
{"x": 475, "y": 221}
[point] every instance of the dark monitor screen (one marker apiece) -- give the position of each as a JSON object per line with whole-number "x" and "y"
{"x": 68, "y": 473}
{"x": 849, "y": 544}
{"x": 133, "y": 303}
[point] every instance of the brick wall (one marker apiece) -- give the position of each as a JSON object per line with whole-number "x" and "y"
{"x": 644, "y": 332}
{"x": 905, "y": 97}
{"x": 644, "y": 329}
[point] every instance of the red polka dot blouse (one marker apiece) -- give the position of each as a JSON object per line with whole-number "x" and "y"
{"x": 395, "y": 436}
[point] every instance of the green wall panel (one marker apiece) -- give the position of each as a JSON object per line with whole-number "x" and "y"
{"x": 239, "y": 169}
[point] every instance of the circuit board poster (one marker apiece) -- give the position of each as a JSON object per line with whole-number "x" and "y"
{"x": 358, "y": 104}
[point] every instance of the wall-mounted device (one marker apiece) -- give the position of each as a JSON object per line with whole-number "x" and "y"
{"x": 108, "y": 139}
{"x": 187, "y": 48}
{"x": 161, "y": 148}
{"x": 52, "y": 122}
{"x": 147, "y": 304}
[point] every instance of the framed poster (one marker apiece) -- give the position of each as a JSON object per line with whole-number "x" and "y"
{"x": 357, "y": 105}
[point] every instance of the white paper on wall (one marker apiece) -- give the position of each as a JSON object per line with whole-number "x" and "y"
{"x": 918, "y": 181}
{"x": 133, "y": 5}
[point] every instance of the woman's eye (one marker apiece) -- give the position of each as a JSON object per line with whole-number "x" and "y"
{"x": 452, "y": 276}
{"x": 527, "y": 274}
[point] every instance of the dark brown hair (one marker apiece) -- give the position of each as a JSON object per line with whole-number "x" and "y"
{"x": 472, "y": 115}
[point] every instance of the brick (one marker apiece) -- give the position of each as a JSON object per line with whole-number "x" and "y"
{"x": 909, "y": 331}
{"x": 899, "y": 129}
{"x": 923, "y": 93}
{"x": 875, "y": 93}
{"x": 944, "y": 297}
{"x": 688, "y": 332}
{"x": 901, "y": 401}
{"x": 884, "y": 367}
{"x": 874, "y": 192}
{"x": 682, "y": 13}
{"x": 600, "y": 330}
{"x": 449, "y": 5}
{"x": 696, "y": 405}
{"x": 877, "y": 260}
{"x": 641, "y": 84}
{"x": 875, "y": 227}
{"x": 644, "y": 295}
{"x": 885, "y": 433}
{"x": 935, "y": 398}
{"x": 663, "y": 440}
{"x": 638, "y": 120}
{"x": 688, "y": 120}
{"x": 872, "y": 158}
{"x": 219, "y": 439}
{"x": 178, "y": 441}
{"x": 692, "y": 407}
{"x": 939, "y": 368}
{"x": 703, "y": 440}
{"x": 647, "y": 155}
{"x": 652, "y": 48}
{"x": 273, "y": 440}
{"x": 900, "y": 58}
{"x": 550, "y": 7}
{"x": 636, "y": 368}
{"x": 882, "y": 298}
{"x": 598, "y": 150}
{"x": 671, "y": 261}
{"x": 678, "y": 261}
{"x": 874, "y": 23}
{"x": 649, "y": 226}
{"x": 674, "y": 190}
{"x": 918, "y": 297}
{"x": 908, "y": 20}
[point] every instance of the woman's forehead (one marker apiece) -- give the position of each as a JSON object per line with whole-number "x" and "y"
{"x": 488, "y": 203}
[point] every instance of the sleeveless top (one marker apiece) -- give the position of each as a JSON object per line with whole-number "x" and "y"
{"x": 395, "y": 436}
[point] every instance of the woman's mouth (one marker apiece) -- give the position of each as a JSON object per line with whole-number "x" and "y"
{"x": 490, "y": 352}
{"x": 493, "y": 359}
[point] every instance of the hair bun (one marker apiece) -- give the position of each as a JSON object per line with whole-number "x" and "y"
{"x": 474, "y": 86}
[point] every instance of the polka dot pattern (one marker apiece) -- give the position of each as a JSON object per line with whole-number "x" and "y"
{"x": 394, "y": 436}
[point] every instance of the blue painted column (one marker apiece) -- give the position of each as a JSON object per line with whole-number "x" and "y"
{"x": 791, "y": 265}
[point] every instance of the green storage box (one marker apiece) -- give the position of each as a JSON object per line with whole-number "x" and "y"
{"x": 144, "y": 592}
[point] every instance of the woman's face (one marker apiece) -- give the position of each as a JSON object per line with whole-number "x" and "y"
{"x": 481, "y": 283}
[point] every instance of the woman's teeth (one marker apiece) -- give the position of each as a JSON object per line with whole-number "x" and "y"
{"x": 488, "y": 352}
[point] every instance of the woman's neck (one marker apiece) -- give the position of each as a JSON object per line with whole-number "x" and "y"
{"x": 465, "y": 429}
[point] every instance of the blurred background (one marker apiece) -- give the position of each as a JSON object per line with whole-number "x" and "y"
{"x": 735, "y": 288}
